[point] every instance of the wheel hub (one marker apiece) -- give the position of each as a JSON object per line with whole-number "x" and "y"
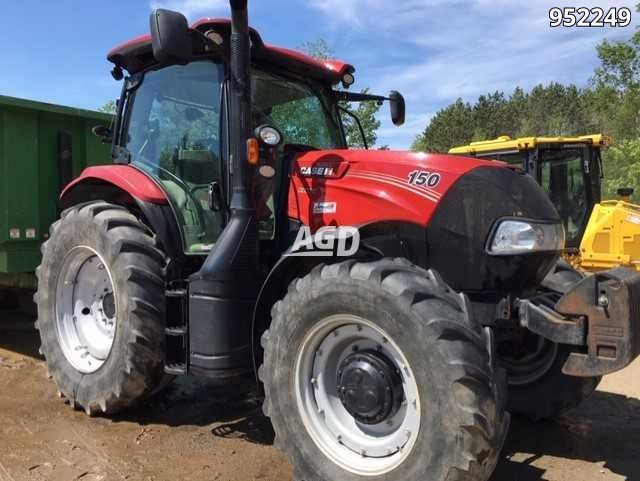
{"x": 357, "y": 395}
{"x": 369, "y": 387}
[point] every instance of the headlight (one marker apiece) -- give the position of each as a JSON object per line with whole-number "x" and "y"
{"x": 269, "y": 135}
{"x": 513, "y": 237}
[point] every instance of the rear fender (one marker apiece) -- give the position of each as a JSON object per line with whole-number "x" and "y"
{"x": 133, "y": 188}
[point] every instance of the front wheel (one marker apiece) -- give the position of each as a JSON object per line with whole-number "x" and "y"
{"x": 376, "y": 371}
{"x": 538, "y": 389}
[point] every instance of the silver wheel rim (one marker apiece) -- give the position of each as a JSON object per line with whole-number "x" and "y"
{"x": 363, "y": 449}
{"x": 85, "y": 310}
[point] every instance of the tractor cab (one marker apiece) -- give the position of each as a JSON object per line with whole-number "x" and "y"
{"x": 174, "y": 123}
{"x": 569, "y": 169}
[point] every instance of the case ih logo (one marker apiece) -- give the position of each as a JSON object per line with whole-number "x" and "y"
{"x": 307, "y": 171}
{"x": 328, "y": 241}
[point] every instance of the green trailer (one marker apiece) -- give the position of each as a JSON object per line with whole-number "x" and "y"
{"x": 42, "y": 148}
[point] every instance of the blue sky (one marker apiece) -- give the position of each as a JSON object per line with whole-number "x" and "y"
{"x": 433, "y": 51}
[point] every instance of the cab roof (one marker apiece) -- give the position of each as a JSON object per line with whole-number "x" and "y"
{"x": 507, "y": 144}
{"x": 136, "y": 54}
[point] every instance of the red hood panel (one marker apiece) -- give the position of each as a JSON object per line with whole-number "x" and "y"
{"x": 360, "y": 187}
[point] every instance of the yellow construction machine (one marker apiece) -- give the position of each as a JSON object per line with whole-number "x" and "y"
{"x": 600, "y": 234}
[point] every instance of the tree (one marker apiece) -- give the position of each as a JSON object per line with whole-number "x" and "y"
{"x": 493, "y": 116}
{"x": 451, "y": 126}
{"x": 622, "y": 168}
{"x": 366, "y": 112}
{"x": 109, "y": 107}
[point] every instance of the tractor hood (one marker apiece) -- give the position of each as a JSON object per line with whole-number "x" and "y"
{"x": 360, "y": 187}
{"x": 455, "y": 201}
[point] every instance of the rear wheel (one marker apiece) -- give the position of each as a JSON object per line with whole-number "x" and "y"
{"x": 376, "y": 371}
{"x": 101, "y": 308}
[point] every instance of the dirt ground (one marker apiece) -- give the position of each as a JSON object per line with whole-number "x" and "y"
{"x": 196, "y": 431}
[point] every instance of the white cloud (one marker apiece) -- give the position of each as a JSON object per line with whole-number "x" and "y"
{"x": 435, "y": 51}
{"x": 193, "y": 8}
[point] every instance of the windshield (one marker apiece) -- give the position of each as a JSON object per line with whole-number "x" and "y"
{"x": 304, "y": 112}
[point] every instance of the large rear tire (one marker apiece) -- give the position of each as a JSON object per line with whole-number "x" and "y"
{"x": 101, "y": 308}
{"x": 424, "y": 402}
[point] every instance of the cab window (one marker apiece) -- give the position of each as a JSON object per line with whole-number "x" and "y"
{"x": 173, "y": 133}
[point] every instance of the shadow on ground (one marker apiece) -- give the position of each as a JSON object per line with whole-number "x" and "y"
{"x": 604, "y": 430}
{"x": 17, "y": 332}
{"x": 232, "y": 411}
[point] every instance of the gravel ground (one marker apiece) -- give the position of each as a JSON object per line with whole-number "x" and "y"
{"x": 196, "y": 431}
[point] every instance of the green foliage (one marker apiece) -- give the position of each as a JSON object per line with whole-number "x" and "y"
{"x": 109, "y": 107}
{"x": 622, "y": 168}
{"x": 365, "y": 111}
{"x": 553, "y": 109}
{"x": 453, "y": 125}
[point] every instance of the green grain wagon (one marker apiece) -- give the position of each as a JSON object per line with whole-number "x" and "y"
{"x": 42, "y": 148}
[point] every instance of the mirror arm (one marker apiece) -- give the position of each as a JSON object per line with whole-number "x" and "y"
{"x": 358, "y": 123}
{"x": 359, "y": 97}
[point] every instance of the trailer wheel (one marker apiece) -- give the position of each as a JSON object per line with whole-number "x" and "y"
{"x": 538, "y": 389}
{"x": 101, "y": 308}
{"x": 377, "y": 371}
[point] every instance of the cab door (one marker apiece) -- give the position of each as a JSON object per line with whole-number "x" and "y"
{"x": 174, "y": 132}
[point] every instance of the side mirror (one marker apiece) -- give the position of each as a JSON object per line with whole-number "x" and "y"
{"x": 398, "y": 108}
{"x": 170, "y": 37}
{"x": 103, "y": 133}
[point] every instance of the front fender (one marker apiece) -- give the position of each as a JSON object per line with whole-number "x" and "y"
{"x": 381, "y": 239}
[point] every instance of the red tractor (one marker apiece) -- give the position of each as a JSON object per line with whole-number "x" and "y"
{"x": 206, "y": 250}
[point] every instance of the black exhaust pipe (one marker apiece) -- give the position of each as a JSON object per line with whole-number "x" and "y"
{"x": 240, "y": 101}
{"x": 222, "y": 293}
